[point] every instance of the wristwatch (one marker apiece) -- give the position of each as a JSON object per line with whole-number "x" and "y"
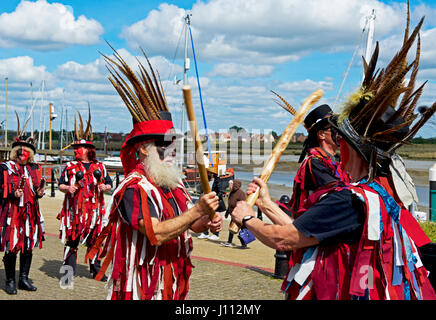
{"x": 245, "y": 219}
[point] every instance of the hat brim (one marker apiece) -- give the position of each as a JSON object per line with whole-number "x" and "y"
{"x": 153, "y": 136}
{"x": 311, "y": 140}
{"x": 363, "y": 149}
{"x": 89, "y": 145}
{"x": 24, "y": 144}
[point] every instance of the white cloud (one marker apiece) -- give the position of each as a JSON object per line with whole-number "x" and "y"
{"x": 161, "y": 30}
{"x": 261, "y": 32}
{"x": 305, "y": 86}
{"x": 240, "y": 40}
{"x": 22, "y": 69}
{"x": 72, "y": 70}
{"x": 46, "y": 26}
{"x": 235, "y": 70}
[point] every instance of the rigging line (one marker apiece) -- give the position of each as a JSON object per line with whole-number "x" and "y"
{"x": 351, "y": 62}
{"x": 174, "y": 57}
{"x": 201, "y": 99}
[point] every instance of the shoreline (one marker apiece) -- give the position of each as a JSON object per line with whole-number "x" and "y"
{"x": 420, "y": 176}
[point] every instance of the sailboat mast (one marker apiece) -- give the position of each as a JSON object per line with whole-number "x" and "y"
{"x": 186, "y": 62}
{"x": 32, "y": 124}
{"x": 185, "y": 81}
{"x": 41, "y": 114}
{"x": 43, "y": 123}
{"x": 6, "y": 112}
{"x": 105, "y": 140}
{"x": 61, "y": 131}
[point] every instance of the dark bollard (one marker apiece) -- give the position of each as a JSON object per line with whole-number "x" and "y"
{"x": 52, "y": 184}
{"x": 117, "y": 179}
{"x": 428, "y": 257}
{"x": 281, "y": 266}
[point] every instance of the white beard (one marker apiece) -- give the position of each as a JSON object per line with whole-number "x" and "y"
{"x": 163, "y": 173}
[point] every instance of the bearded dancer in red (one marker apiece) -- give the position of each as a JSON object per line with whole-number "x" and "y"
{"x": 84, "y": 182}
{"x": 21, "y": 222}
{"x": 147, "y": 237}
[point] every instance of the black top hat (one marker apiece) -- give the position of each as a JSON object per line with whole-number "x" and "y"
{"x": 316, "y": 117}
{"x": 25, "y": 142}
{"x": 314, "y": 121}
{"x": 22, "y": 139}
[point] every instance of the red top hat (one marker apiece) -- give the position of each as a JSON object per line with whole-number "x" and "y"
{"x": 143, "y": 131}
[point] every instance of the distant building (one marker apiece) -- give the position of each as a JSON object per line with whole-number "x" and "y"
{"x": 298, "y": 137}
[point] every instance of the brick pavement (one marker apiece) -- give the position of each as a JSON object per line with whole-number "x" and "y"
{"x": 209, "y": 280}
{"x": 220, "y": 273}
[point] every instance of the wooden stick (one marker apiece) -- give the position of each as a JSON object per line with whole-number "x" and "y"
{"x": 280, "y": 147}
{"x": 198, "y": 147}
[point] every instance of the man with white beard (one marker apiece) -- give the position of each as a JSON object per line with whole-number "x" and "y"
{"x": 146, "y": 237}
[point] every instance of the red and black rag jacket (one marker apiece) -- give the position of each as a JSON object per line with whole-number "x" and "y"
{"x": 82, "y": 213}
{"x": 140, "y": 268}
{"x": 384, "y": 264}
{"x": 21, "y": 221}
{"x": 310, "y": 178}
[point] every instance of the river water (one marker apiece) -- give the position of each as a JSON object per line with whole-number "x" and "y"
{"x": 287, "y": 178}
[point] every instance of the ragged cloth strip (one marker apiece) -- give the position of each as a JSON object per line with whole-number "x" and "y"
{"x": 21, "y": 221}
{"x": 140, "y": 269}
{"x": 389, "y": 268}
{"x": 300, "y": 191}
{"x": 82, "y": 213}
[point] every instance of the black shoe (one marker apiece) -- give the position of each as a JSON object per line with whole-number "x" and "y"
{"x": 24, "y": 284}
{"x": 103, "y": 279}
{"x": 11, "y": 287}
{"x": 94, "y": 269}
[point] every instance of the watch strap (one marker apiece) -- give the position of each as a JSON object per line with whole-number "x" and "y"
{"x": 245, "y": 219}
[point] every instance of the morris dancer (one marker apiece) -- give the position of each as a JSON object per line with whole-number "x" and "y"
{"x": 147, "y": 237}
{"x": 84, "y": 182}
{"x": 21, "y": 222}
{"x": 319, "y": 168}
{"x": 360, "y": 241}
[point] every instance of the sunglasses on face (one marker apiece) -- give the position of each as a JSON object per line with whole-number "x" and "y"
{"x": 163, "y": 144}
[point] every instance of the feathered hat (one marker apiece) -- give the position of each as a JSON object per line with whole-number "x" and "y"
{"x": 21, "y": 139}
{"x": 315, "y": 120}
{"x": 374, "y": 120}
{"x": 144, "y": 97}
{"x": 83, "y": 138}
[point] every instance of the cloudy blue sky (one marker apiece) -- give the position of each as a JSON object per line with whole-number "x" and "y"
{"x": 244, "y": 49}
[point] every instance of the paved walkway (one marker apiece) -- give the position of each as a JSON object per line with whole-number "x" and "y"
{"x": 220, "y": 273}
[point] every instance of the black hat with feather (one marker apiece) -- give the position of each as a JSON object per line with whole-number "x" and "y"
{"x": 314, "y": 121}
{"x": 374, "y": 120}
{"x": 21, "y": 139}
{"x": 83, "y": 138}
